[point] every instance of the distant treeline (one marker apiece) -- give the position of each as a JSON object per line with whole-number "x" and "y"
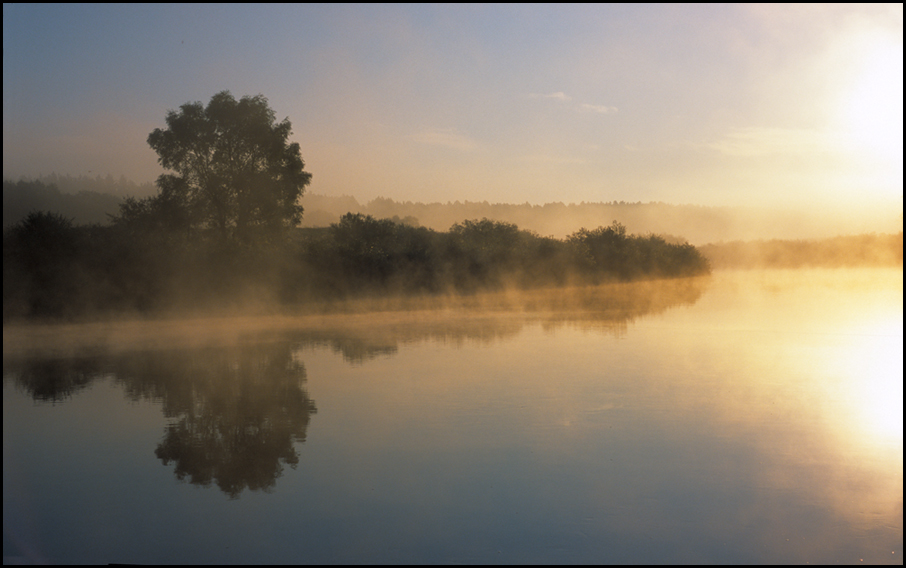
{"x": 84, "y": 207}
{"x": 84, "y": 199}
{"x": 855, "y": 250}
{"x": 679, "y": 223}
{"x": 90, "y": 200}
{"x": 53, "y": 268}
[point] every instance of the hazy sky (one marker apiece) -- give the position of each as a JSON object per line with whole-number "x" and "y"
{"x": 711, "y": 105}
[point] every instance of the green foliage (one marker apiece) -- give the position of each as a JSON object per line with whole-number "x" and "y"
{"x": 40, "y": 272}
{"x": 236, "y": 173}
{"x": 603, "y": 250}
{"x": 607, "y": 253}
{"x": 481, "y": 252}
{"x": 151, "y": 259}
{"x": 363, "y": 253}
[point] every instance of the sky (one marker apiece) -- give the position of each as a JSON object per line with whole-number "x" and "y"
{"x": 764, "y": 105}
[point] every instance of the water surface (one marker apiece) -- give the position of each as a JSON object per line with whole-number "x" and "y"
{"x": 749, "y": 417}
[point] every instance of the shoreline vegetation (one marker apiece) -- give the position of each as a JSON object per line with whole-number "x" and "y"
{"x": 56, "y": 270}
{"x": 53, "y": 269}
{"x": 141, "y": 263}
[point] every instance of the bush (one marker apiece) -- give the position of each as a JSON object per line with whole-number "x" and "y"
{"x": 52, "y": 268}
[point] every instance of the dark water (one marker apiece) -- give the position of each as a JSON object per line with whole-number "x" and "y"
{"x": 752, "y": 417}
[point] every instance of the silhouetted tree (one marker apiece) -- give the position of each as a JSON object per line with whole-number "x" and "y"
{"x": 608, "y": 253}
{"x": 236, "y": 173}
{"x": 605, "y": 251}
{"x": 380, "y": 252}
{"x": 40, "y": 271}
{"x": 488, "y": 247}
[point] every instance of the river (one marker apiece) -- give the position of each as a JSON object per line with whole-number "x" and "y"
{"x": 749, "y": 417}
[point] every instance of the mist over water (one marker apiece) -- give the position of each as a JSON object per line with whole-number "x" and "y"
{"x": 639, "y": 301}
{"x": 750, "y": 416}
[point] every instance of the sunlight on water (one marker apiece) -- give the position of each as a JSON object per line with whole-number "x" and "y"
{"x": 874, "y": 365}
{"x": 749, "y": 418}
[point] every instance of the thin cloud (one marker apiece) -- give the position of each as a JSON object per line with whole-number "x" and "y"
{"x": 445, "y": 137}
{"x": 559, "y": 95}
{"x": 602, "y": 109}
{"x": 580, "y": 107}
{"x": 548, "y": 159}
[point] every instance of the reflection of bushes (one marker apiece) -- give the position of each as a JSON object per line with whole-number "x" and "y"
{"x": 51, "y": 379}
{"x": 147, "y": 261}
{"x": 494, "y": 316}
{"x": 237, "y": 411}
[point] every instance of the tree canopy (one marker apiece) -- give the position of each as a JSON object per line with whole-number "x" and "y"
{"x": 235, "y": 171}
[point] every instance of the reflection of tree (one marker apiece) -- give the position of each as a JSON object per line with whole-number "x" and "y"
{"x": 357, "y": 350}
{"x": 237, "y": 412}
{"x": 52, "y": 379}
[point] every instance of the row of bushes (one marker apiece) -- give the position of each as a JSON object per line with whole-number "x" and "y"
{"x": 52, "y": 268}
{"x": 363, "y": 253}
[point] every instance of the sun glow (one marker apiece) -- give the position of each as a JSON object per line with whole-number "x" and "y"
{"x": 868, "y": 113}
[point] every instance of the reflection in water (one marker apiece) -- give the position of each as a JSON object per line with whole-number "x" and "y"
{"x": 236, "y": 409}
{"x": 763, "y": 425}
{"x": 875, "y": 357}
{"x": 53, "y": 380}
{"x": 235, "y": 412}
{"x": 380, "y": 324}
{"x": 485, "y": 319}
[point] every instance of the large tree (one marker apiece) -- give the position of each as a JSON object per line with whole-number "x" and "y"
{"x": 236, "y": 172}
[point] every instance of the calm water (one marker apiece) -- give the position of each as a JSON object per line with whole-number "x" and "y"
{"x": 751, "y": 417}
